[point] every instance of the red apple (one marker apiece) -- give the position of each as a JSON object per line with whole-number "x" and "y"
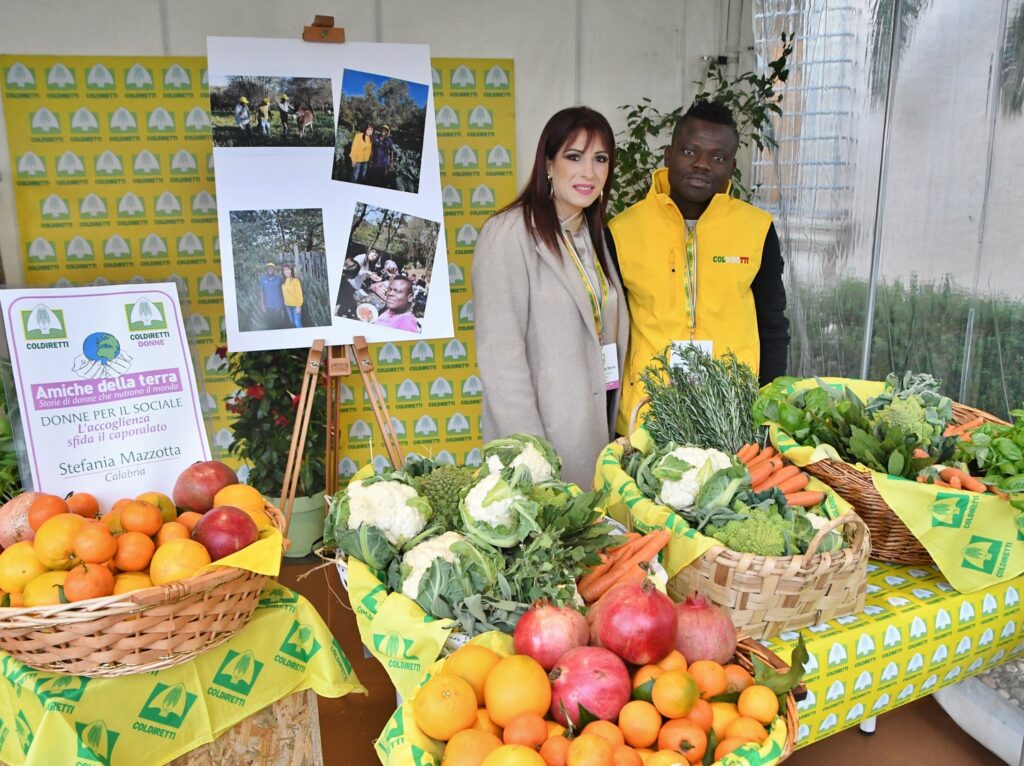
{"x": 196, "y": 486}
{"x": 225, "y": 530}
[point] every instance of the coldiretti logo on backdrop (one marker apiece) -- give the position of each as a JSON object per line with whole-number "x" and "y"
{"x": 55, "y": 208}
{"x": 44, "y": 122}
{"x": 153, "y": 246}
{"x": 116, "y": 248}
{"x": 79, "y": 249}
{"x": 123, "y": 123}
{"x": 237, "y": 674}
{"x": 40, "y": 249}
{"x": 482, "y": 197}
{"x": 131, "y": 206}
{"x": 184, "y": 164}
{"x": 145, "y": 315}
{"x": 949, "y": 509}
{"x": 447, "y": 119}
{"x": 160, "y": 121}
{"x": 499, "y": 161}
{"x": 139, "y": 79}
{"x": 450, "y": 197}
{"x": 43, "y": 323}
{"x": 176, "y": 78}
{"x": 70, "y": 165}
{"x": 396, "y": 651}
{"x": 109, "y": 165}
{"x": 85, "y": 125}
{"x": 61, "y": 693}
{"x": 982, "y": 554}
{"x": 168, "y": 707}
{"x": 441, "y": 390}
{"x": 462, "y": 79}
{"x": 95, "y": 742}
{"x": 168, "y": 205}
{"x": 30, "y": 165}
{"x": 145, "y": 163}
{"x": 300, "y": 644}
{"x": 19, "y": 77}
{"x": 99, "y": 80}
{"x": 425, "y": 428}
{"x": 497, "y": 82}
{"x": 60, "y": 78}
{"x": 481, "y": 121}
{"x": 389, "y": 355}
{"x": 465, "y": 159}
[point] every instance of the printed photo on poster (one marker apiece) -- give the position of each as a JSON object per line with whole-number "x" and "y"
{"x": 379, "y": 140}
{"x": 267, "y": 110}
{"x": 388, "y": 265}
{"x": 280, "y": 269}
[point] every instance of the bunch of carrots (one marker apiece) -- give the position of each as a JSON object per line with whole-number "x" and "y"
{"x": 952, "y": 477}
{"x": 767, "y": 469}
{"x": 625, "y": 563}
{"x": 963, "y": 430}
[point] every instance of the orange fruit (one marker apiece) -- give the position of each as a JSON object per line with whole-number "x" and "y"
{"x": 94, "y": 543}
{"x": 528, "y": 729}
{"x": 113, "y": 522}
{"x": 722, "y": 714}
{"x": 172, "y": 530}
{"x": 624, "y": 755}
{"x": 747, "y": 728}
{"x": 758, "y": 702}
{"x": 674, "y": 693}
{"x": 513, "y": 755}
{"x": 125, "y": 582}
{"x": 674, "y": 660}
{"x": 701, "y": 714}
{"x": 189, "y": 519}
{"x": 726, "y": 746}
{"x": 167, "y": 510}
{"x": 54, "y": 542}
{"x": 43, "y": 590}
{"x": 19, "y": 564}
{"x": 607, "y": 731}
{"x": 444, "y": 706}
{"x": 643, "y": 682}
{"x": 469, "y": 748}
{"x": 471, "y": 663}
{"x": 555, "y": 750}
{"x": 88, "y": 581}
{"x": 141, "y": 516}
{"x": 134, "y": 552}
{"x": 710, "y": 677}
{"x": 645, "y": 753}
{"x": 684, "y": 736}
{"x": 245, "y": 498}
{"x": 736, "y": 678}
{"x": 666, "y": 758}
{"x": 484, "y": 722}
{"x": 179, "y": 560}
{"x": 17, "y": 600}
{"x": 44, "y": 507}
{"x": 517, "y": 684}
{"x": 119, "y": 504}
{"x": 590, "y": 750}
{"x": 84, "y": 504}
{"x": 640, "y": 723}
{"x": 554, "y": 728}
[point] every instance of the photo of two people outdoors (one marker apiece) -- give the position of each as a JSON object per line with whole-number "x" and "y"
{"x": 379, "y": 141}
{"x": 264, "y": 110}
{"x": 386, "y": 275}
{"x": 280, "y": 269}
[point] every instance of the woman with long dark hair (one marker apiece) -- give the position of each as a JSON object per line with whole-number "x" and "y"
{"x": 550, "y": 315}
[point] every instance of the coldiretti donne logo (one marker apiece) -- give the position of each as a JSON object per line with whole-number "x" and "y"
{"x": 300, "y": 643}
{"x": 949, "y": 509}
{"x": 981, "y": 554}
{"x": 168, "y": 705}
{"x": 146, "y": 315}
{"x": 43, "y": 323}
{"x": 95, "y": 742}
{"x": 25, "y": 735}
{"x": 58, "y": 692}
{"x": 238, "y": 673}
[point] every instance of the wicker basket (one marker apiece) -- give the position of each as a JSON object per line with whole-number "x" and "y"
{"x": 766, "y": 595}
{"x": 136, "y": 632}
{"x": 891, "y": 540}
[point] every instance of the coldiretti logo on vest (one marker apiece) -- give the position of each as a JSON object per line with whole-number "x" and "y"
{"x": 60, "y": 693}
{"x": 236, "y": 677}
{"x": 165, "y": 710}
{"x": 299, "y": 647}
{"x": 950, "y": 509}
{"x": 95, "y": 743}
{"x": 983, "y": 554}
{"x": 730, "y": 259}
{"x": 395, "y": 651}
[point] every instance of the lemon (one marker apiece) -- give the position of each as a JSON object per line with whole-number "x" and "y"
{"x": 43, "y": 590}
{"x": 126, "y": 582}
{"x": 19, "y": 564}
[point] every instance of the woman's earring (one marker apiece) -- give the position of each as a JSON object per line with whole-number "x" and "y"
{"x": 600, "y": 197}
{"x": 551, "y": 189}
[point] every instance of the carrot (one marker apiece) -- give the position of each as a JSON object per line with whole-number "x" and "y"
{"x": 794, "y": 483}
{"x": 997, "y": 492}
{"x": 954, "y": 482}
{"x": 957, "y": 429}
{"x": 777, "y": 478}
{"x": 747, "y": 451}
{"x": 626, "y": 549}
{"x": 760, "y": 472}
{"x": 764, "y": 454}
{"x": 648, "y": 548}
{"x": 967, "y": 481}
{"x": 918, "y": 453}
{"x": 596, "y": 571}
{"x": 635, "y": 574}
{"x": 805, "y": 499}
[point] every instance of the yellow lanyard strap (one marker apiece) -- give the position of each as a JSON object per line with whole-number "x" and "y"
{"x": 595, "y": 306}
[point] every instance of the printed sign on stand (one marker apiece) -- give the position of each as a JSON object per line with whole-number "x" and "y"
{"x": 108, "y": 396}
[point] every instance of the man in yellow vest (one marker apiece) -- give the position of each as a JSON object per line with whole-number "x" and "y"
{"x": 699, "y": 266}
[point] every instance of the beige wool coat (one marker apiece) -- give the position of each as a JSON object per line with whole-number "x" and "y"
{"x": 536, "y": 346}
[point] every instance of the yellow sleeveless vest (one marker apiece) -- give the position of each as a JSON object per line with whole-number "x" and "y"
{"x": 650, "y": 238}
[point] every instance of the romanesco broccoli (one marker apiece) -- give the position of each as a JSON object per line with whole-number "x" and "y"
{"x": 441, "y": 488}
{"x": 909, "y": 416}
{"x": 761, "y": 534}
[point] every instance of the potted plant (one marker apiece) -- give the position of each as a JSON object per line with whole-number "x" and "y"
{"x": 265, "y": 407}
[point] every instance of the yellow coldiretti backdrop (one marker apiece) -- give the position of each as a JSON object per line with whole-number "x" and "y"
{"x": 113, "y": 180}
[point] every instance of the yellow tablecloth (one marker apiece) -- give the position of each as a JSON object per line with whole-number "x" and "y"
{"x": 915, "y": 635}
{"x": 151, "y": 718}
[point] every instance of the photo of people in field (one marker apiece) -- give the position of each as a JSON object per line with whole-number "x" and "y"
{"x": 280, "y": 269}
{"x": 379, "y": 140}
{"x": 386, "y": 275}
{"x": 265, "y": 110}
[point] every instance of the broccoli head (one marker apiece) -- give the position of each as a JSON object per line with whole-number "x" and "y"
{"x": 441, "y": 487}
{"x": 909, "y": 416}
{"x": 762, "y": 533}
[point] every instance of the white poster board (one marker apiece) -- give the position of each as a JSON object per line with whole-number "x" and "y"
{"x": 326, "y": 163}
{"x": 106, "y": 387}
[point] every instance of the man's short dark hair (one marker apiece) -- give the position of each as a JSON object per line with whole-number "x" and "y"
{"x": 708, "y": 110}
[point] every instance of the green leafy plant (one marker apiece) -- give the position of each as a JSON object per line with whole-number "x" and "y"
{"x": 752, "y": 97}
{"x": 265, "y": 407}
{"x": 10, "y": 479}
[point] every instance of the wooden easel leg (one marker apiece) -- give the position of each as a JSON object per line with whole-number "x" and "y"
{"x": 293, "y": 466}
{"x": 380, "y": 407}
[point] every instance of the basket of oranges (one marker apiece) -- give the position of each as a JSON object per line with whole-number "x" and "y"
{"x": 136, "y": 589}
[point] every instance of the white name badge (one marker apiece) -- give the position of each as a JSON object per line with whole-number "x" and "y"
{"x": 611, "y": 366}
{"x": 707, "y": 346}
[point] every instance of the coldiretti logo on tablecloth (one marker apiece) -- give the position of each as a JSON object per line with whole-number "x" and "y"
{"x": 25, "y": 735}
{"x": 277, "y": 597}
{"x": 395, "y": 649}
{"x": 237, "y": 674}
{"x": 983, "y": 555}
{"x": 951, "y": 510}
{"x": 60, "y": 693}
{"x": 340, "y": 658}
{"x": 95, "y": 743}
{"x": 300, "y": 644}
{"x": 165, "y": 710}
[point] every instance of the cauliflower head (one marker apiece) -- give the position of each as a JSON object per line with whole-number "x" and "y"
{"x": 497, "y": 513}
{"x": 419, "y": 558}
{"x": 497, "y": 510}
{"x": 537, "y": 454}
{"x": 909, "y": 416}
{"x": 390, "y": 506}
{"x": 682, "y": 472}
{"x": 761, "y": 534}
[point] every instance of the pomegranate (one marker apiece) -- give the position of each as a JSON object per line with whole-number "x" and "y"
{"x": 199, "y": 483}
{"x": 637, "y": 622}
{"x": 225, "y": 530}
{"x": 547, "y": 632}
{"x": 592, "y": 677}
{"x": 705, "y": 631}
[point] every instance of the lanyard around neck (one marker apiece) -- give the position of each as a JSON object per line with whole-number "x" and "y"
{"x": 690, "y": 278}
{"x": 596, "y": 305}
